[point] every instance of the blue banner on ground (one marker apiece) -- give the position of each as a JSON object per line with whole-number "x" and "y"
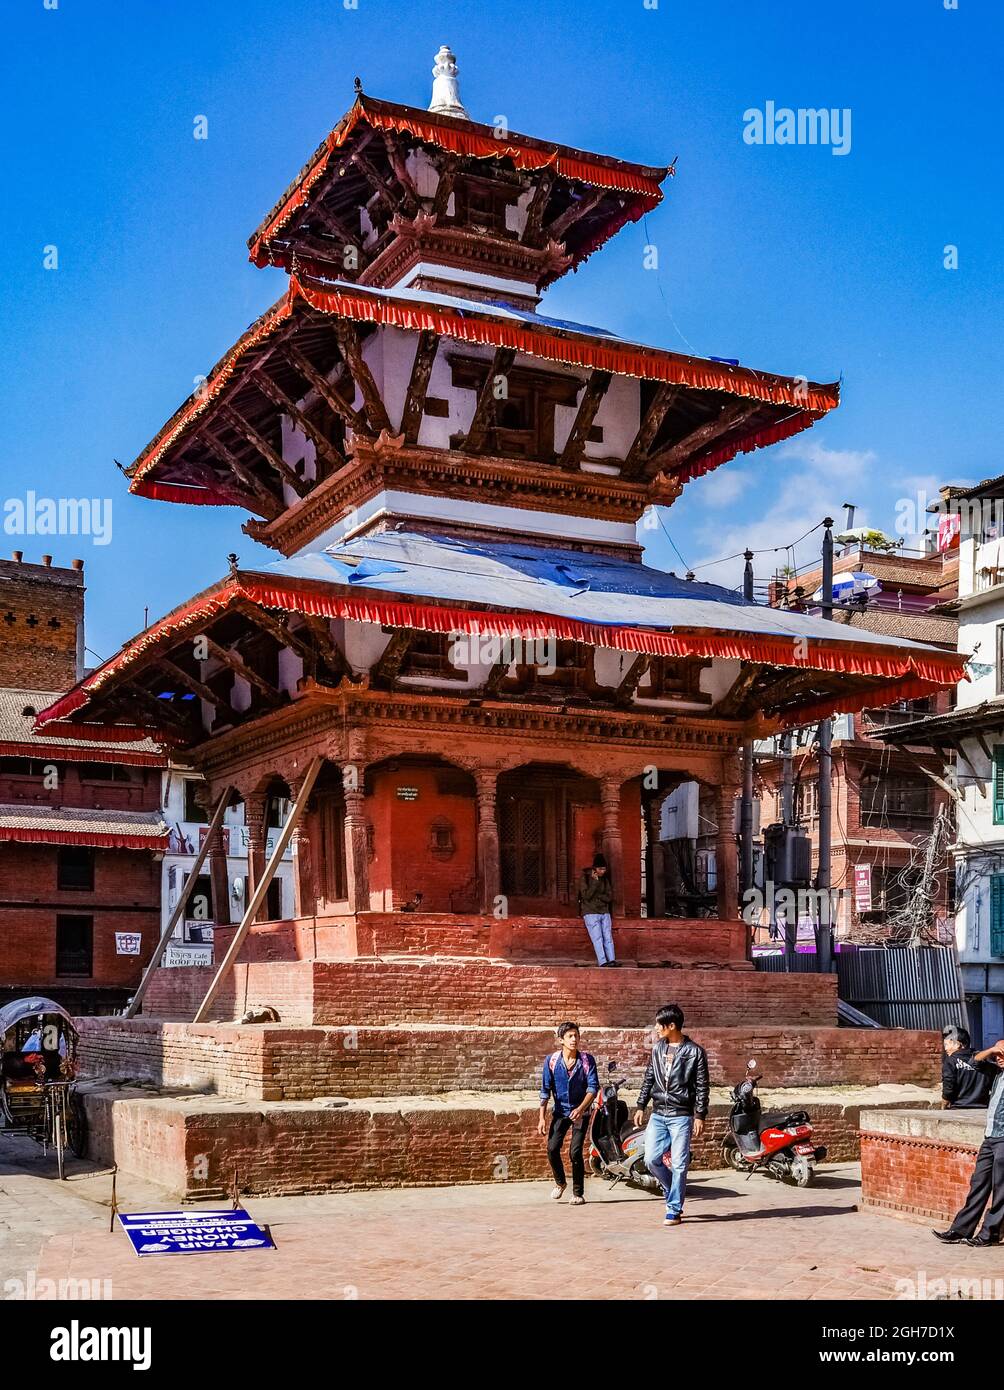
{"x": 193, "y": 1232}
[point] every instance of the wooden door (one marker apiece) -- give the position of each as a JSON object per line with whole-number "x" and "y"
{"x": 522, "y": 842}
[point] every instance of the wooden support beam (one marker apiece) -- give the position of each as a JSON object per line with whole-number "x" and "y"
{"x": 333, "y": 655}
{"x": 484, "y": 410}
{"x": 269, "y": 503}
{"x": 327, "y": 391}
{"x": 496, "y": 676}
{"x": 350, "y": 344}
{"x": 338, "y": 229}
{"x": 593, "y": 393}
{"x": 731, "y": 702}
{"x": 789, "y": 683}
{"x": 727, "y": 419}
{"x": 281, "y": 634}
{"x": 252, "y": 909}
{"x": 581, "y": 207}
{"x": 444, "y": 189}
{"x": 167, "y": 713}
{"x": 631, "y": 679}
{"x": 219, "y": 811}
{"x": 197, "y": 687}
{"x": 395, "y": 154}
{"x": 536, "y": 209}
{"x": 376, "y": 180}
{"x": 241, "y": 668}
{"x": 242, "y": 427}
{"x": 388, "y": 668}
{"x": 325, "y": 449}
{"x": 418, "y": 385}
{"x": 657, "y": 411}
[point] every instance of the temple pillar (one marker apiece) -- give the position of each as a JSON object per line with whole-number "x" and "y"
{"x": 613, "y": 847}
{"x": 304, "y": 875}
{"x": 656, "y": 885}
{"x": 488, "y": 871}
{"x": 726, "y": 854}
{"x": 356, "y": 855}
{"x": 254, "y": 823}
{"x": 219, "y": 877}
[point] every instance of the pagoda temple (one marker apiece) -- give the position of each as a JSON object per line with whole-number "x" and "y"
{"x": 458, "y": 670}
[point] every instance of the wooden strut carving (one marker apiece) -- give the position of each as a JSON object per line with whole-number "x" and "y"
{"x": 592, "y": 396}
{"x": 324, "y": 388}
{"x": 648, "y": 429}
{"x": 536, "y": 209}
{"x": 269, "y": 503}
{"x": 351, "y": 348}
{"x": 325, "y": 449}
{"x": 679, "y": 452}
{"x": 577, "y": 209}
{"x": 281, "y": 634}
{"x": 484, "y": 411}
{"x": 338, "y": 229}
{"x": 732, "y": 701}
{"x": 444, "y": 189}
{"x": 388, "y": 668}
{"x": 631, "y": 680}
{"x": 418, "y": 385}
{"x": 241, "y": 668}
{"x": 244, "y": 428}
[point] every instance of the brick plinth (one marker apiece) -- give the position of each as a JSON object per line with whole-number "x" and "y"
{"x": 496, "y": 994}
{"x": 273, "y": 1062}
{"x": 917, "y": 1164}
{"x": 195, "y": 1146}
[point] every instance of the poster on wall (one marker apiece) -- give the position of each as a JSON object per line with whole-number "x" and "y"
{"x": 862, "y": 887}
{"x": 128, "y": 943}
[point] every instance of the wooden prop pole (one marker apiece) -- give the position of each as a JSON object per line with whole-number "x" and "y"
{"x": 181, "y": 904}
{"x": 261, "y": 888}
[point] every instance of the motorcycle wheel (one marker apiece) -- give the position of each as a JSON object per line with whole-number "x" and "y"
{"x": 732, "y": 1158}
{"x": 801, "y": 1174}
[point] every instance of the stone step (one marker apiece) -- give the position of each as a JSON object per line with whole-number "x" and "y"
{"x": 493, "y": 993}
{"x": 193, "y": 1145}
{"x": 276, "y": 1062}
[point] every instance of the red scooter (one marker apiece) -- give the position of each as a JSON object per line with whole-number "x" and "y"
{"x": 778, "y": 1143}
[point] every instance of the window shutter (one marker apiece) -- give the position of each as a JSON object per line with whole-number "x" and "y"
{"x": 999, "y": 786}
{"x": 997, "y": 915}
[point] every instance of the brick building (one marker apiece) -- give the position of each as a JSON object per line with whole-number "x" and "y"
{"x": 885, "y": 801}
{"x": 81, "y": 831}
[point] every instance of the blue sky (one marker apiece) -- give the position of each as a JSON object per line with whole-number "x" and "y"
{"x": 791, "y": 258}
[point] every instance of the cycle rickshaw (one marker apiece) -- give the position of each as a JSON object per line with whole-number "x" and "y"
{"x": 38, "y": 1046}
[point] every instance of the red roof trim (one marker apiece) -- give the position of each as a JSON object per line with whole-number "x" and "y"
{"x": 464, "y": 138}
{"x": 56, "y": 753}
{"x": 83, "y": 837}
{"x": 933, "y": 669}
{"x": 808, "y": 401}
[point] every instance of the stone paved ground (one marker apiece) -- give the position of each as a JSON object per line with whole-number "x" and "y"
{"x": 740, "y": 1239}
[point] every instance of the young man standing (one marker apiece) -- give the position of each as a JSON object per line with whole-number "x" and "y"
{"x": 988, "y": 1175}
{"x": 965, "y": 1083}
{"x": 677, "y": 1084}
{"x": 596, "y": 897}
{"x": 570, "y": 1077}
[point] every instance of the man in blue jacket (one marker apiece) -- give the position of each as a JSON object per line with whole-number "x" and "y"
{"x": 570, "y": 1077}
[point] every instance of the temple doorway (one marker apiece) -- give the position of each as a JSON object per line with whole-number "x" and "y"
{"x": 550, "y": 825}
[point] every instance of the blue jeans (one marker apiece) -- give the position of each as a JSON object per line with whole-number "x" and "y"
{"x": 668, "y": 1136}
{"x": 600, "y": 929}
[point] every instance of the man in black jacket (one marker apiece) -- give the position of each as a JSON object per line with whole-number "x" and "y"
{"x": 965, "y": 1083}
{"x": 677, "y": 1084}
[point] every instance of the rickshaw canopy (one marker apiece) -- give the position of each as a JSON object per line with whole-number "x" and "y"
{"x": 34, "y": 1006}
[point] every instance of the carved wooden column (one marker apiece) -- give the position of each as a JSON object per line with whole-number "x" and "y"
{"x": 726, "y": 853}
{"x": 613, "y": 847}
{"x": 656, "y": 868}
{"x": 489, "y": 885}
{"x": 304, "y": 875}
{"x": 254, "y": 823}
{"x": 356, "y": 857}
{"x": 219, "y": 877}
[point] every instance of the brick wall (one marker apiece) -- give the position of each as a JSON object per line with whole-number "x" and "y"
{"x": 278, "y": 1150}
{"x": 273, "y": 1062}
{"x": 41, "y": 622}
{"x": 512, "y": 995}
{"x": 915, "y": 1177}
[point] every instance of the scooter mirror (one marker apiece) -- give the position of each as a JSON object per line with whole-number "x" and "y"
{"x": 751, "y": 1064}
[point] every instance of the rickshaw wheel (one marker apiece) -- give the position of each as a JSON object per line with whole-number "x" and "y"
{"x": 76, "y": 1126}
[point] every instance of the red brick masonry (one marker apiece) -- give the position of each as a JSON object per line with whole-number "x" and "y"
{"x": 272, "y": 1062}
{"x": 917, "y": 1164}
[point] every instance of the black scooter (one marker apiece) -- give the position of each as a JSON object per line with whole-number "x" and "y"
{"x": 616, "y": 1146}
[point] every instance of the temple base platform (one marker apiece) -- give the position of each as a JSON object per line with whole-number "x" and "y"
{"x": 917, "y": 1164}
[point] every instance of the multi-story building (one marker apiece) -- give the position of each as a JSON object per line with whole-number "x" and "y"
{"x": 80, "y": 827}
{"x": 886, "y": 803}
{"x": 971, "y": 739}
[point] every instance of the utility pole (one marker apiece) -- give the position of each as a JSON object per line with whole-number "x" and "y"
{"x": 746, "y": 804}
{"x": 824, "y": 933}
